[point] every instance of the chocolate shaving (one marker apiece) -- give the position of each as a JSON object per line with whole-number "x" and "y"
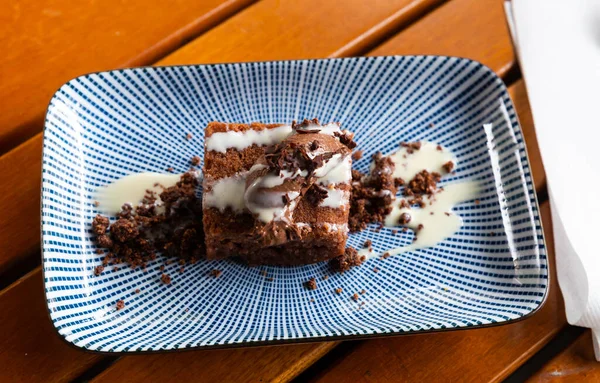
{"x": 347, "y": 138}
{"x": 306, "y": 126}
{"x": 316, "y": 194}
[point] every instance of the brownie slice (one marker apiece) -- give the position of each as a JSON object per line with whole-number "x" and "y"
{"x": 276, "y": 194}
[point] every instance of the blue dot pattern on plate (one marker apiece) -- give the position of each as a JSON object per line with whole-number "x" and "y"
{"x": 102, "y": 126}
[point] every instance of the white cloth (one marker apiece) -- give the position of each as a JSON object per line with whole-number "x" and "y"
{"x": 558, "y": 45}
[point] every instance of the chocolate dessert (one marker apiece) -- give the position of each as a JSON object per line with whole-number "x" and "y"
{"x": 276, "y": 194}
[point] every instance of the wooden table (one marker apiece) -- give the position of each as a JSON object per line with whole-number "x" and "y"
{"x": 48, "y": 42}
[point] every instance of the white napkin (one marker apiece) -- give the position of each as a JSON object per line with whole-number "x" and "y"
{"x": 558, "y": 44}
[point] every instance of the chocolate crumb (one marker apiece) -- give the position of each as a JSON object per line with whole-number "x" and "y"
{"x": 181, "y": 269}
{"x": 398, "y": 182}
{"x": 404, "y": 219}
{"x": 137, "y": 291}
{"x": 448, "y": 166}
{"x": 120, "y": 304}
{"x": 188, "y": 136}
{"x": 195, "y": 161}
{"x": 372, "y": 195}
{"x": 115, "y": 269}
{"x": 430, "y": 213}
{"x": 170, "y": 169}
{"x": 316, "y": 194}
{"x": 311, "y": 284}
{"x": 98, "y": 270}
{"x": 477, "y": 202}
{"x": 312, "y": 300}
{"x": 338, "y": 291}
{"x": 162, "y": 268}
{"x": 216, "y": 273}
{"x": 357, "y": 155}
{"x": 99, "y": 251}
{"x": 439, "y": 148}
{"x": 270, "y": 279}
{"x": 166, "y": 279}
{"x": 346, "y": 261}
{"x": 420, "y": 227}
{"x": 431, "y": 124}
{"x": 394, "y": 231}
{"x": 325, "y": 277}
{"x": 375, "y": 270}
{"x": 362, "y": 291}
{"x": 100, "y": 225}
{"x": 448, "y": 214}
{"x": 355, "y": 297}
{"x": 368, "y": 243}
{"x": 404, "y": 229}
{"x": 96, "y": 203}
{"x": 386, "y": 255}
{"x": 424, "y": 183}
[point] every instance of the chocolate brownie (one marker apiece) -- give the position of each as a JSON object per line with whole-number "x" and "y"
{"x": 276, "y": 194}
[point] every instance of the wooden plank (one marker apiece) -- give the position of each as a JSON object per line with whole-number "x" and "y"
{"x": 272, "y": 30}
{"x": 21, "y": 170}
{"x": 45, "y": 44}
{"x": 518, "y": 94}
{"x": 475, "y": 29}
{"x": 574, "y": 364}
{"x": 29, "y": 350}
{"x": 263, "y": 364}
{"x": 481, "y": 355}
{"x": 25, "y": 183}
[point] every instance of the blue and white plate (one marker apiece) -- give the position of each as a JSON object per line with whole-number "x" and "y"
{"x": 103, "y": 126}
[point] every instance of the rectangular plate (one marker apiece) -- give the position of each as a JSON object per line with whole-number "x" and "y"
{"x": 102, "y": 126}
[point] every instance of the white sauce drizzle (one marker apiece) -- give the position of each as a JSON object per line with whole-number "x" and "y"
{"x": 336, "y": 198}
{"x": 221, "y": 141}
{"x": 272, "y": 180}
{"x": 437, "y": 226}
{"x": 330, "y": 129}
{"x": 427, "y": 158}
{"x": 227, "y": 192}
{"x": 328, "y": 166}
{"x": 131, "y": 190}
{"x": 342, "y": 173}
